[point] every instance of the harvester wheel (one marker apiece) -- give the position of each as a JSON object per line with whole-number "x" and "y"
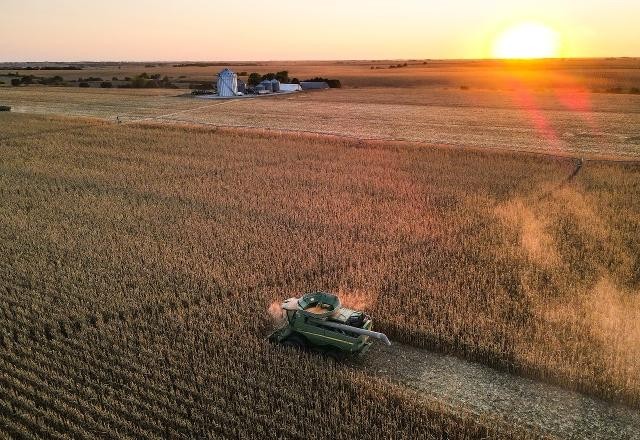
{"x": 295, "y": 342}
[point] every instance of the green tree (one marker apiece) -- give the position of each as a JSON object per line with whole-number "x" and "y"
{"x": 139, "y": 82}
{"x": 283, "y": 76}
{"x": 254, "y": 79}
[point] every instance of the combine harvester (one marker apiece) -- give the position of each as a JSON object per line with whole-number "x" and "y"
{"x": 318, "y": 322}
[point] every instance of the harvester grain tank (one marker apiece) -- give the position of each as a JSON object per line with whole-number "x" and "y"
{"x": 317, "y": 321}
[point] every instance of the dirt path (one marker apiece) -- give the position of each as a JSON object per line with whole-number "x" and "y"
{"x": 517, "y": 401}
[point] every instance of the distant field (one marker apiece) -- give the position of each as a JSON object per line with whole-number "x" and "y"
{"x": 585, "y": 74}
{"x": 559, "y": 122}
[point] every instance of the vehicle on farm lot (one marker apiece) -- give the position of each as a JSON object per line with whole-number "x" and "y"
{"x": 318, "y": 322}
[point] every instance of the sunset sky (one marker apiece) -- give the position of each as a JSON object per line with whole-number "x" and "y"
{"x": 39, "y": 30}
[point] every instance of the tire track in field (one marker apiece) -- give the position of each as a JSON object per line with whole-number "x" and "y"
{"x": 546, "y": 409}
{"x": 579, "y": 163}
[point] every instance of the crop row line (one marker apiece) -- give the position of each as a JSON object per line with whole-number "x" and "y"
{"x": 38, "y": 414}
{"x": 83, "y": 405}
{"x": 73, "y": 326}
{"x": 233, "y": 386}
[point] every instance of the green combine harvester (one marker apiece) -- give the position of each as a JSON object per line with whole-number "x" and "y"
{"x": 318, "y": 322}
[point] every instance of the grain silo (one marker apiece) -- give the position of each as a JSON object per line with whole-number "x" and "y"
{"x": 227, "y": 83}
{"x": 275, "y": 85}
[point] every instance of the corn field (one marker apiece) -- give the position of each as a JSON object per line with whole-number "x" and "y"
{"x": 139, "y": 263}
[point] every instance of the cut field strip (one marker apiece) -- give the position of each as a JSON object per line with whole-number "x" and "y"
{"x": 484, "y": 391}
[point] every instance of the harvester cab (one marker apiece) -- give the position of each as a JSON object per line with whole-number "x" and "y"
{"x": 318, "y": 322}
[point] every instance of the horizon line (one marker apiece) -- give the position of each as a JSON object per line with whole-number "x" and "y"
{"x": 371, "y": 60}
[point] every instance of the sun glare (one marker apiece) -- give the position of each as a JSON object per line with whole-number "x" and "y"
{"x": 526, "y": 40}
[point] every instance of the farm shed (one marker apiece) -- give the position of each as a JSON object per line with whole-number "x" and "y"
{"x": 314, "y": 85}
{"x": 290, "y": 87}
{"x": 227, "y": 83}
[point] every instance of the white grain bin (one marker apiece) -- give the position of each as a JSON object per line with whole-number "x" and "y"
{"x": 227, "y": 83}
{"x": 275, "y": 85}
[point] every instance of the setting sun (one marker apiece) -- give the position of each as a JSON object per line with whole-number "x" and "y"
{"x": 526, "y": 40}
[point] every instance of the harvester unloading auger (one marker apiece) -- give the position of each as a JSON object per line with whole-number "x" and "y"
{"x": 317, "y": 321}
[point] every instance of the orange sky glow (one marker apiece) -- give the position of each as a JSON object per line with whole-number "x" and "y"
{"x": 39, "y": 30}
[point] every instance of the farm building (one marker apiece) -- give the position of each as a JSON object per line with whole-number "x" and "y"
{"x": 267, "y": 84}
{"x": 229, "y": 86}
{"x": 290, "y": 87}
{"x": 227, "y": 83}
{"x": 313, "y": 85}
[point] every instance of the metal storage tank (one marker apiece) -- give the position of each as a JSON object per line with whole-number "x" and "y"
{"x": 259, "y": 88}
{"x": 242, "y": 87}
{"x": 275, "y": 85}
{"x": 267, "y": 85}
{"x": 227, "y": 83}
